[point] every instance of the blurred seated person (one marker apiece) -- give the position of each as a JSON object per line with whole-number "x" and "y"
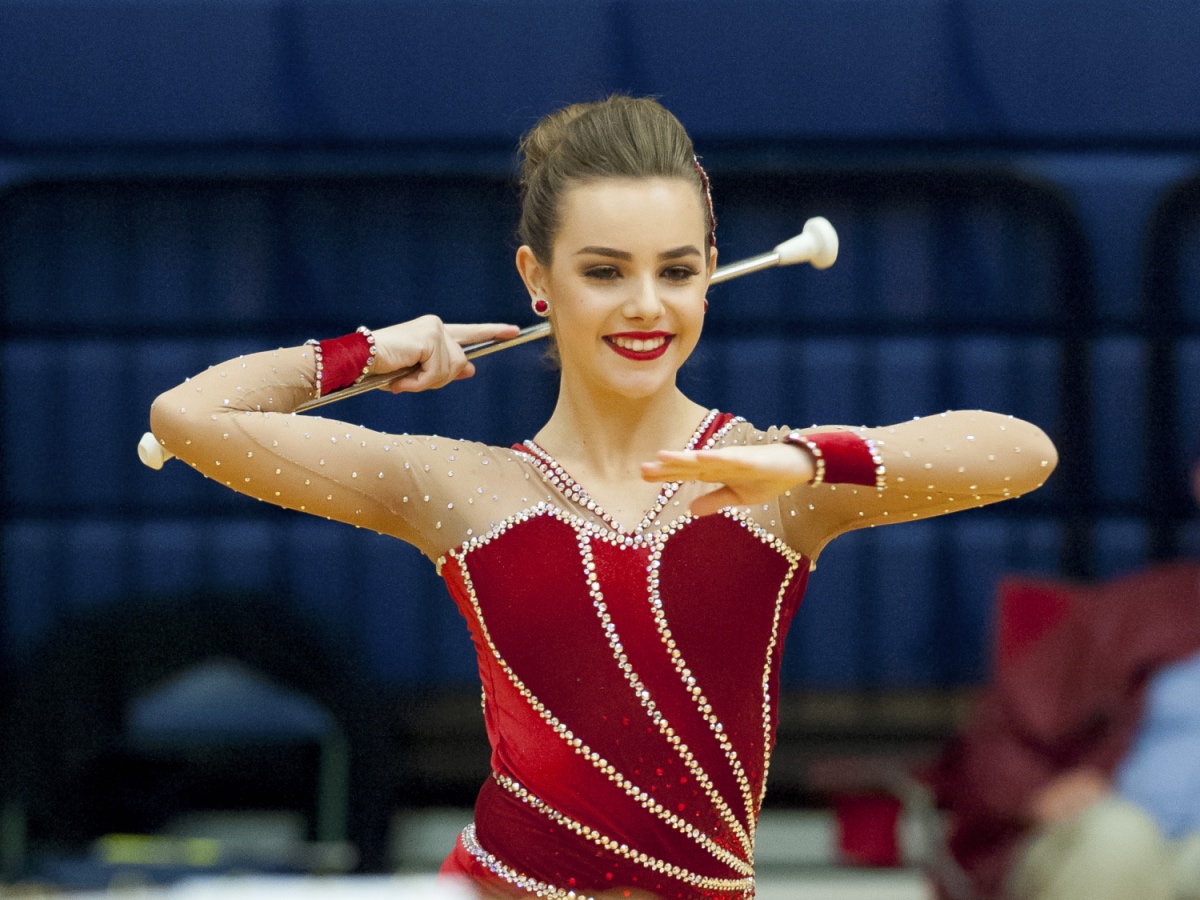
{"x": 1079, "y": 774}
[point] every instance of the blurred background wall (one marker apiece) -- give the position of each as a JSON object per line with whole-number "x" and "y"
{"x": 1015, "y": 187}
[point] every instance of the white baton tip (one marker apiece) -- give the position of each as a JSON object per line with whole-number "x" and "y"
{"x": 151, "y": 452}
{"x": 817, "y": 245}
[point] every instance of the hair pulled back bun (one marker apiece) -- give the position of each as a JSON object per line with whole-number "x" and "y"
{"x": 620, "y": 137}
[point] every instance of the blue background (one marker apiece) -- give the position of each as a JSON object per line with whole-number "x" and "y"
{"x": 1014, "y": 184}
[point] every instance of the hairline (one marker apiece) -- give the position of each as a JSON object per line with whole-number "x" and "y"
{"x": 577, "y": 181}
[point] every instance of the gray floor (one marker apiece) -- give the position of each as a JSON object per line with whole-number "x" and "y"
{"x": 793, "y": 850}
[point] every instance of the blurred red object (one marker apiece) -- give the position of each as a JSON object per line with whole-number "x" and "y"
{"x": 1027, "y": 609}
{"x": 867, "y": 829}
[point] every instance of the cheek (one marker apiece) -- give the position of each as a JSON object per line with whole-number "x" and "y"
{"x": 573, "y": 324}
{"x": 695, "y": 310}
{"x": 691, "y": 337}
{"x": 571, "y": 298}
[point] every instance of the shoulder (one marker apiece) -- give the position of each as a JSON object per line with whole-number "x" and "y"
{"x": 737, "y": 432}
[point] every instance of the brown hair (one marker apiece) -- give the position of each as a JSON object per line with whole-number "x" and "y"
{"x": 621, "y": 137}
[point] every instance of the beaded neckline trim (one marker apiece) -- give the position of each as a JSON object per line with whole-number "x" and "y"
{"x": 556, "y": 475}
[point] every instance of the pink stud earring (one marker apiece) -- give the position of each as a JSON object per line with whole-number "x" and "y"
{"x": 541, "y": 307}
{"x": 706, "y": 304}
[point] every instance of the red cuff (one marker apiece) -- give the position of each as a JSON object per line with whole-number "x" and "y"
{"x": 842, "y": 457}
{"x": 343, "y": 361}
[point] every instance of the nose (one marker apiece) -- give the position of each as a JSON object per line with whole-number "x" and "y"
{"x": 643, "y": 301}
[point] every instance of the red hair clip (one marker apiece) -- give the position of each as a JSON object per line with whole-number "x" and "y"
{"x": 712, "y": 216}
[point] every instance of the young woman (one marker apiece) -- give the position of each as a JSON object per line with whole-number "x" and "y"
{"x": 629, "y": 574}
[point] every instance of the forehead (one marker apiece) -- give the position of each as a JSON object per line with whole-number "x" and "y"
{"x": 620, "y": 210}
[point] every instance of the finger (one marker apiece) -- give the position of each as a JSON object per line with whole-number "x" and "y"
{"x": 664, "y": 461}
{"x": 403, "y": 385}
{"x": 486, "y": 331}
{"x": 695, "y": 468}
{"x": 676, "y": 457}
{"x": 662, "y": 464}
{"x": 683, "y": 474}
{"x": 423, "y": 379}
{"x": 442, "y": 367}
{"x": 713, "y": 501}
{"x": 671, "y": 471}
{"x": 712, "y": 460}
{"x": 446, "y": 364}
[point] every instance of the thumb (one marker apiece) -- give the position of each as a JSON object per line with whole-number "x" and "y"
{"x": 713, "y": 501}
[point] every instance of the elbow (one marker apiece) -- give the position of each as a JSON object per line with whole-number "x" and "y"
{"x": 1051, "y": 462}
{"x": 167, "y": 417}
{"x": 1046, "y": 454}
{"x": 1038, "y": 459}
{"x": 158, "y": 417}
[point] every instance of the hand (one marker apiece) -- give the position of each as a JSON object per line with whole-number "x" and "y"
{"x": 1068, "y": 795}
{"x": 747, "y": 474}
{"x": 434, "y": 347}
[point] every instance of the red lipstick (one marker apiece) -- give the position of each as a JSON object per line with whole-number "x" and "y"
{"x": 640, "y": 355}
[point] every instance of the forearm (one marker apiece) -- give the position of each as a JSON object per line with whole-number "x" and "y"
{"x": 970, "y": 453}
{"x": 197, "y": 412}
{"x": 925, "y": 467}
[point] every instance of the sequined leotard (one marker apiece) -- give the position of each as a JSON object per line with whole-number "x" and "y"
{"x": 630, "y": 675}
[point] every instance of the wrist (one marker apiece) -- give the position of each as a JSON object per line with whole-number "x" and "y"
{"x": 344, "y": 361}
{"x": 841, "y": 457}
{"x": 815, "y": 455}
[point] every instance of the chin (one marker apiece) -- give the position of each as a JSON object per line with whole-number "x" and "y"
{"x": 629, "y": 380}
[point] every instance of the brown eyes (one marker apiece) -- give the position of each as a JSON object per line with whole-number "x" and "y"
{"x": 673, "y": 274}
{"x": 602, "y": 273}
{"x": 681, "y": 273}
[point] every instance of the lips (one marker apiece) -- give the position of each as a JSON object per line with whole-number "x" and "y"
{"x": 645, "y": 345}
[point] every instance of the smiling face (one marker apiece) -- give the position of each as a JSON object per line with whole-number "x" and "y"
{"x": 626, "y": 283}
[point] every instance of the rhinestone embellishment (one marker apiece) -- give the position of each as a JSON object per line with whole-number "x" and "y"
{"x": 557, "y": 476}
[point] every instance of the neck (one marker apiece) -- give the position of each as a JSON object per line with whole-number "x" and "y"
{"x": 613, "y": 435}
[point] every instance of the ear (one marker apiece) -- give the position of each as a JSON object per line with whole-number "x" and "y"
{"x": 712, "y": 261}
{"x": 532, "y": 272}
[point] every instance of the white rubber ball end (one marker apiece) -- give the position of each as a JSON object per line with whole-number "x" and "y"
{"x": 816, "y": 244}
{"x": 151, "y": 452}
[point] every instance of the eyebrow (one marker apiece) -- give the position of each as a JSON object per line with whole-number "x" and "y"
{"x": 677, "y": 253}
